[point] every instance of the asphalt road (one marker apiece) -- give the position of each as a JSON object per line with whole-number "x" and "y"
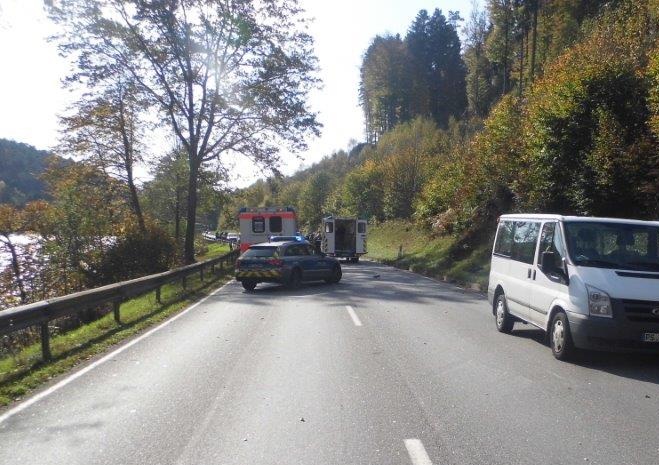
{"x": 395, "y": 369}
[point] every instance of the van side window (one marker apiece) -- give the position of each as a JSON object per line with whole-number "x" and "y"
{"x": 504, "y": 239}
{"x": 551, "y": 241}
{"x": 275, "y": 224}
{"x": 525, "y": 239}
{"x": 258, "y": 224}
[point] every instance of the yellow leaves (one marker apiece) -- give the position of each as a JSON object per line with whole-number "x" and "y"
{"x": 653, "y": 83}
{"x": 11, "y": 220}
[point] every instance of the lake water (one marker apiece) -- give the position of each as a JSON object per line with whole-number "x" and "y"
{"x": 20, "y": 241}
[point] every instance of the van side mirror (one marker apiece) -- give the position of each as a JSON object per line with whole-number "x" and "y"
{"x": 548, "y": 265}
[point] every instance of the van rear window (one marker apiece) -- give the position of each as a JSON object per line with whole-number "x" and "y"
{"x": 504, "y": 242}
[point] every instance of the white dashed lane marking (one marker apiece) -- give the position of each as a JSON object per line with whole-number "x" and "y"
{"x": 353, "y": 315}
{"x": 417, "y": 452}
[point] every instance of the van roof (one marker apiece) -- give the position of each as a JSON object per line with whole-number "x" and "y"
{"x": 594, "y": 219}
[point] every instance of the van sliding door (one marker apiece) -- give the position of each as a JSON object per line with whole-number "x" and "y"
{"x": 518, "y": 292}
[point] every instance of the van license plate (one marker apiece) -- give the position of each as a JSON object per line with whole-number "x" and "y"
{"x": 651, "y": 337}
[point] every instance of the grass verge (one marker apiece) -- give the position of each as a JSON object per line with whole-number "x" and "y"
{"x": 24, "y": 371}
{"x": 404, "y": 245}
{"x": 214, "y": 249}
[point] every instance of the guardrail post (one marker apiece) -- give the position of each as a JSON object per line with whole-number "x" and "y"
{"x": 212, "y": 268}
{"x": 158, "y": 295}
{"x": 184, "y": 282}
{"x": 45, "y": 342}
{"x": 115, "y": 308}
{"x": 201, "y": 272}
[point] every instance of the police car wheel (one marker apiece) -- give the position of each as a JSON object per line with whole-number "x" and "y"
{"x": 249, "y": 285}
{"x": 295, "y": 280}
{"x": 336, "y": 276}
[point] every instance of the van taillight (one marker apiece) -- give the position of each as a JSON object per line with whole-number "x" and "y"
{"x": 275, "y": 261}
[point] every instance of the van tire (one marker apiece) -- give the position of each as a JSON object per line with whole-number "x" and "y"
{"x": 249, "y": 285}
{"x": 502, "y": 318}
{"x": 560, "y": 338}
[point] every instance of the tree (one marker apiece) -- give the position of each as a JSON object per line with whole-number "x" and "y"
{"x": 165, "y": 196}
{"x": 11, "y": 222}
{"x": 480, "y": 92}
{"x": 312, "y": 198}
{"x": 226, "y": 76}
{"x": 362, "y": 192}
{"x": 434, "y": 45}
{"x": 107, "y": 130}
{"x": 499, "y": 41}
{"x": 385, "y": 89}
{"x": 87, "y": 210}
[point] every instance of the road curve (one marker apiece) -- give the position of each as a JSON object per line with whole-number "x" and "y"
{"x": 386, "y": 367}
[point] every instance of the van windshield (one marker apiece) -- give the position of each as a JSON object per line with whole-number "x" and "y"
{"x": 613, "y": 245}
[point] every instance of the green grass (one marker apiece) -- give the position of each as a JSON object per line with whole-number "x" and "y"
{"x": 24, "y": 371}
{"x": 405, "y": 245}
{"x": 214, "y": 249}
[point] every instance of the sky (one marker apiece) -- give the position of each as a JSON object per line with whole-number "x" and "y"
{"x": 31, "y": 93}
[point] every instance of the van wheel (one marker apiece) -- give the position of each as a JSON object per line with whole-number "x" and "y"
{"x": 503, "y": 319}
{"x": 249, "y": 285}
{"x": 295, "y": 280}
{"x": 560, "y": 338}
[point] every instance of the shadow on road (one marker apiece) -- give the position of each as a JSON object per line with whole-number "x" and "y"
{"x": 360, "y": 283}
{"x": 641, "y": 367}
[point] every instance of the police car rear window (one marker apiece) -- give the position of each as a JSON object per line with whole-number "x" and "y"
{"x": 260, "y": 252}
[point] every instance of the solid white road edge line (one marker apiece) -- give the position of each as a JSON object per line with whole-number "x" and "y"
{"x": 37, "y": 397}
{"x": 353, "y": 315}
{"x": 417, "y": 452}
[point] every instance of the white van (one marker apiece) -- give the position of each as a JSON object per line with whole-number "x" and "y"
{"x": 590, "y": 283}
{"x": 344, "y": 237}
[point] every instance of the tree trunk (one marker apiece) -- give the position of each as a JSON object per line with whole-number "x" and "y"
{"x": 534, "y": 38}
{"x": 177, "y": 217}
{"x": 16, "y": 268}
{"x": 521, "y": 65}
{"x": 135, "y": 202}
{"x": 505, "y": 48}
{"x": 188, "y": 247}
{"x": 128, "y": 165}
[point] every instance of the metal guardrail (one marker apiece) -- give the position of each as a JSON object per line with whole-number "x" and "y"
{"x": 40, "y": 313}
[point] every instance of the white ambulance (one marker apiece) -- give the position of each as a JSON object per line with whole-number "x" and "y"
{"x": 344, "y": 237}
{"x": 259, "y": 223}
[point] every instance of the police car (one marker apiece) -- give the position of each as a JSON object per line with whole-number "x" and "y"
{"x": 289, "y": 263}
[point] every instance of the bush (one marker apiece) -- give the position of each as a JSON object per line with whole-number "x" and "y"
{"x": 136, "y": 254}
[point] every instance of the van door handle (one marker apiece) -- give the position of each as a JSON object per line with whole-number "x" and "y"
{"x": 528, "y": 274}
{"x": 533, "y": 275}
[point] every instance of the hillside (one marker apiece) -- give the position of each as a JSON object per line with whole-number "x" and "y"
{"x": 570, "y": 128}
{"x": 20, "y": 168}
{"x": 405, "y": 245}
